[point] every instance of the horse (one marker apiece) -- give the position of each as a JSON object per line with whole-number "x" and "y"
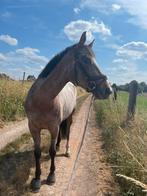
{"x": 51, "y": 100}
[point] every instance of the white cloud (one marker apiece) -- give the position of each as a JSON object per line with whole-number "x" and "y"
{"x": 125, "y": 71}
{"x": 2, "y": 57}
{"x": 74, "y": 29}
{"x": 100, "y": 5}
{"x": 31, "y": 54}
{"x": 131, "y": 64}
{"x": 76, "y": 10}
{"x": 133, "y": 50}
{"x": 119, "y": 61}
{"x": 9, "y": 40}
{"x": 137, "y": 9}
{"x": 115, "y": 7}
{"x": 26, "y": 59}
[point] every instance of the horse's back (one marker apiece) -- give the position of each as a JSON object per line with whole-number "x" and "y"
{"x": 67, "y": 99}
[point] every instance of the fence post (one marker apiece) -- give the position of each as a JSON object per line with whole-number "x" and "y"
{"x": 133, "y": 90}
{"x": 23, "y": 77}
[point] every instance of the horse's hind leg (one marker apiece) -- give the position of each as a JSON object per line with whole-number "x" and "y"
{"x": 58, "y": 141}
{"x": 52, "y": 152}
{"x": 35, "y": 183}
{"x": 69, "y": 122}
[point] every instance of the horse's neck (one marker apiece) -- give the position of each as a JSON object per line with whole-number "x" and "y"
{"x": 57, "y": 79}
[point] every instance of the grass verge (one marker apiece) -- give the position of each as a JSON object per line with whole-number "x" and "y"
{"x": 125, "y": 145}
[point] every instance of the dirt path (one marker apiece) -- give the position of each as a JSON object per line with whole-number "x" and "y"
{"x": 92, "y": 175}
{"x": 12, "y": 131}
{"x": 64, "y": 165}
{"x": 86, "y": 174}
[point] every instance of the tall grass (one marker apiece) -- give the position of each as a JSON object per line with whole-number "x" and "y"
{"x": 12, "y": 95}
{"x": 126, "y": 145}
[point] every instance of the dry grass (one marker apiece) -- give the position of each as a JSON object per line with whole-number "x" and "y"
{"x": 126, "y": 145}
{"x": 12, "y": 95}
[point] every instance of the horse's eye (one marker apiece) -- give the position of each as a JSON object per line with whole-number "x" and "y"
{"x": 86, "y": 60}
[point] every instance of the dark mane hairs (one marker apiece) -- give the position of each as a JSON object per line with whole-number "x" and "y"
{"x": 53, "y": 62}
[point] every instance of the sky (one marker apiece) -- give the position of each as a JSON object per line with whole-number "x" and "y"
{"x": 33, "y": 31}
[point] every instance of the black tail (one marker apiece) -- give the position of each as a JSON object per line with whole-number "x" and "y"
{"x": 63, "y": 129}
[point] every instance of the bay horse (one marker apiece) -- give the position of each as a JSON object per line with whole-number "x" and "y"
{"x": 52, "y": 98}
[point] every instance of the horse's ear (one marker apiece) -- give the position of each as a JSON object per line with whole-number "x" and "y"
{"x": 83, "y": 38}
{"x": 91, "y": 44}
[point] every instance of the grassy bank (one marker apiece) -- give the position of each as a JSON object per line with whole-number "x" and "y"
{"x": 126, "y": 145}
{"x": 12, "y": 95}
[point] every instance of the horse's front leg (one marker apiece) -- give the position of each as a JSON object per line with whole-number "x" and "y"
{"x": 52, "y": 151}
{"x": 36, "y": 183}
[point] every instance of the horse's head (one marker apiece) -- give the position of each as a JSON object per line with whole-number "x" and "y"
{"x": 87, "y": 73}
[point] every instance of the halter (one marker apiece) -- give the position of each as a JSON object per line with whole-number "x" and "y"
{"x": 92, "y": 81}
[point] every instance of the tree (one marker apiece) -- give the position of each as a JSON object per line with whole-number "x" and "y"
{"x": 31, "y": 78}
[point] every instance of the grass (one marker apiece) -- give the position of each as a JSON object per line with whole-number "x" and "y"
{"x": 126, "y": 145}
{"x": 12, "y": 95}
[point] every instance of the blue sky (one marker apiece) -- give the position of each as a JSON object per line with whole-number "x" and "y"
{"x": 33, "y": 31}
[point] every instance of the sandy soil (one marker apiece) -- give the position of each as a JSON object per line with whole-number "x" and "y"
{"x": 92, "y": 175}
{"x": 12, "y": 131}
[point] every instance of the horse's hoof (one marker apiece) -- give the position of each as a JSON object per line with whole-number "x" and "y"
{"x": 51, "y": 179}
{"x": 67, "y": 154}
{"x": 35, "y": 185}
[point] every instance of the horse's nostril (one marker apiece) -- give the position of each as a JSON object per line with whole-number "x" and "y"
{"x": 108, "y": 91}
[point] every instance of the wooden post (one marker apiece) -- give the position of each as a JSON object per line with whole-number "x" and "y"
{"x": 133, "y": 90}
{"x": 23, "y": 77}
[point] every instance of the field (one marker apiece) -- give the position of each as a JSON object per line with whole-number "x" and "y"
{"x": 12, "y": 95}
{"x": 125, "y": 144}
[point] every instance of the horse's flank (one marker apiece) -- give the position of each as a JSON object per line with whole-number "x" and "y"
{"x": 55, "y": 111}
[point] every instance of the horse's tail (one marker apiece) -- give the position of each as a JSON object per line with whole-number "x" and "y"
{"x": 65, "y": 126}
{"x": 63, "y": 129}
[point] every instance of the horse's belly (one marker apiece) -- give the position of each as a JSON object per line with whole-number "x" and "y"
{"x": 68, "y": 100}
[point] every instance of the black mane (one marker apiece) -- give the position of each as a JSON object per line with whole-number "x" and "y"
{"x": 53, "y": 62}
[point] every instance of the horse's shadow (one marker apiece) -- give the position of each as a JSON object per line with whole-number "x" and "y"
{"x": 14, "y": 172}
